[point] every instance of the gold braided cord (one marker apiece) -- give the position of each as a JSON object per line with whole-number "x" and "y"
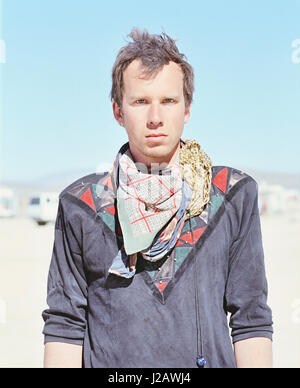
{"x": 197, "y": 171}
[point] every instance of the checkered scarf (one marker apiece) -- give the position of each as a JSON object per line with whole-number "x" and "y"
{"x": 153, "y": 206}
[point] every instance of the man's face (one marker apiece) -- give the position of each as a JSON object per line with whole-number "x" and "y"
{"x": 153, "y": 112}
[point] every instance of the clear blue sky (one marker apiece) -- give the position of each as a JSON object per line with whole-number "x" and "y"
{"x": 55, "y": 109}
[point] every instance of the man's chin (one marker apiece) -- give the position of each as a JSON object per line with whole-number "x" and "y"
{"x": 154, "y": 153}
{"x": 160, "y": 153}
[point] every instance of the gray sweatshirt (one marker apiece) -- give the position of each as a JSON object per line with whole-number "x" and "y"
{"x": 172, "y": 311}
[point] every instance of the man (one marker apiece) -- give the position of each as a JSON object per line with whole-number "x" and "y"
{"x": 150, "y": 258}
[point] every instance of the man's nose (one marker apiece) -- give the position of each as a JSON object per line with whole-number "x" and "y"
{"x": 155, "y": 119}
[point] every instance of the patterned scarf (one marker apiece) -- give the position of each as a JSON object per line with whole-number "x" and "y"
{"x": 153, "y": 206}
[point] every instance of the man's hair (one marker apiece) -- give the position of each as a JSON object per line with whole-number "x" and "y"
{"x": 154, "y": 51}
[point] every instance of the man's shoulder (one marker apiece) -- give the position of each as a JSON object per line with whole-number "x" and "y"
{"x": 234, "y": 186}
{"x": 90, "y": 190}
{"x": 227, "y": 179}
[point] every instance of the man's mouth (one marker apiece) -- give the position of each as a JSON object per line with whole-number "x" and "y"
{"x": 156, "y": 135}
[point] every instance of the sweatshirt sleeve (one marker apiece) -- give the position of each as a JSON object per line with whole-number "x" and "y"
{"x": 65, "y": 319}
{"x": 246, "y": 289}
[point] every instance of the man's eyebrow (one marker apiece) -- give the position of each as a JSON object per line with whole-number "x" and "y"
{"x": 174, "y": 97}
{"x": 141, "y": 97}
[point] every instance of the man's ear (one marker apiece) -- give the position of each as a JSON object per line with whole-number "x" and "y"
{"x": 117, "y": 113}
{"x": 187, "y": 113}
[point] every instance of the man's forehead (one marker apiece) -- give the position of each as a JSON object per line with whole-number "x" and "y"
{"x": 169, "y": 76}
{"x": 136, "y": 69}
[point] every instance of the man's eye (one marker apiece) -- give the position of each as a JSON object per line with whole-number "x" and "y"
{"x": 140, "y": 101}
{"x": 169, "y": 100}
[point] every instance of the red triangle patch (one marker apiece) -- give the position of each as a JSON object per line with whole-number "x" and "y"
{"x": 221, "y": 179}
{"x": 111, "y": 209}
{"x": 189, "y": 238}
{"x": 107, "y": 182}
{"x": 88, "y": 198}
{"x": 161, "y": 286}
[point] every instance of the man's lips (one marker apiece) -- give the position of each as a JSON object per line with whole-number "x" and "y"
{"x": 156, "y": 135}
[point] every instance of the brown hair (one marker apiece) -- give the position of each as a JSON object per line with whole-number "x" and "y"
{"x": 154, "y": 51}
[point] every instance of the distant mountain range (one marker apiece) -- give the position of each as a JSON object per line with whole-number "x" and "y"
{"x": 289, "y": 181}
{"x": 58, "y": 181}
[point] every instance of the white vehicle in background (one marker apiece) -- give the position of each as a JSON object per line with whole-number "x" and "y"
{"x": 43, "y": 207}
{"x": 8, "y": 202}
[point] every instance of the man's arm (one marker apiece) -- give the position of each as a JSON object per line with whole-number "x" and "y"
{"x": 246, "y": 289}
{"x": 65, "y": 319}
{"x": 62, "y": 355}
{"x": 253, "y": 352}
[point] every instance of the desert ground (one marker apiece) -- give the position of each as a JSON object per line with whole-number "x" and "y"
{"x": 25, "y": 255}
